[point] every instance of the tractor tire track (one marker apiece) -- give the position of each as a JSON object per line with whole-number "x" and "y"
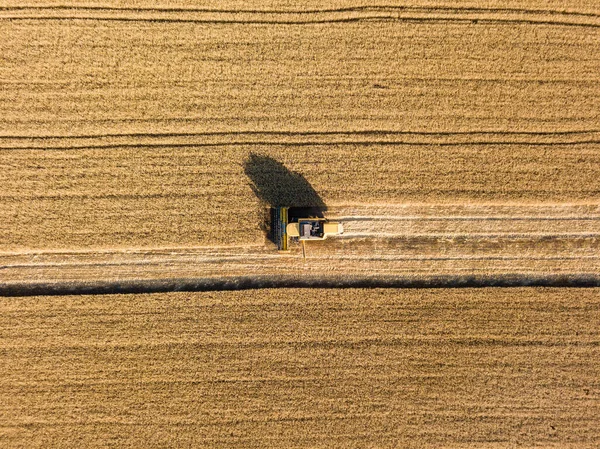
{"x": 330, "y": 138}
{"x": 305, "y": 17}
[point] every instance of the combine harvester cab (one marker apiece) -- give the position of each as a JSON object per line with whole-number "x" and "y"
{"x": 301, "y": 228}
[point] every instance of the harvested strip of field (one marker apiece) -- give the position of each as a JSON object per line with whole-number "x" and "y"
{"x": 409, "y": 241}
{"x": 468, "y": 219}
{"x": 353, "y": 368}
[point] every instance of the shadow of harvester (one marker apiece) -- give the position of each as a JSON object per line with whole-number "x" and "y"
{"x": 276, "y": 186}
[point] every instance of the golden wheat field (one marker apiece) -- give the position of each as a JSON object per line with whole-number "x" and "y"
{"x": 142, "y": 144}
{"x": 463, "y": 368}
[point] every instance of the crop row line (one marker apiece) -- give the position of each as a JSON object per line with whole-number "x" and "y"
{"x": 365, "y": 8}
{"x": 299, "y": 17}
{"x": 306, "y": 133}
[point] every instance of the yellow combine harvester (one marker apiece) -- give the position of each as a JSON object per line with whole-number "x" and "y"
{"x": 302, "y": 229}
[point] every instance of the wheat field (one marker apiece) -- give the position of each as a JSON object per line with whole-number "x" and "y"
{"x": 303, "y": 368}
{"x": 142, "y": 144}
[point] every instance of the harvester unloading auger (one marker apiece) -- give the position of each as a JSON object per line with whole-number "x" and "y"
{"x": 286, "y": 226}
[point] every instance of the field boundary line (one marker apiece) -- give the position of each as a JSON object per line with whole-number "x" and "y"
{"x": 271, "y": 282}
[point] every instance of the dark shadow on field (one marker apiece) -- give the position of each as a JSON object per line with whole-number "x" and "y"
{"x": 277, "y": 186}
{"x": 104, "y": 287}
